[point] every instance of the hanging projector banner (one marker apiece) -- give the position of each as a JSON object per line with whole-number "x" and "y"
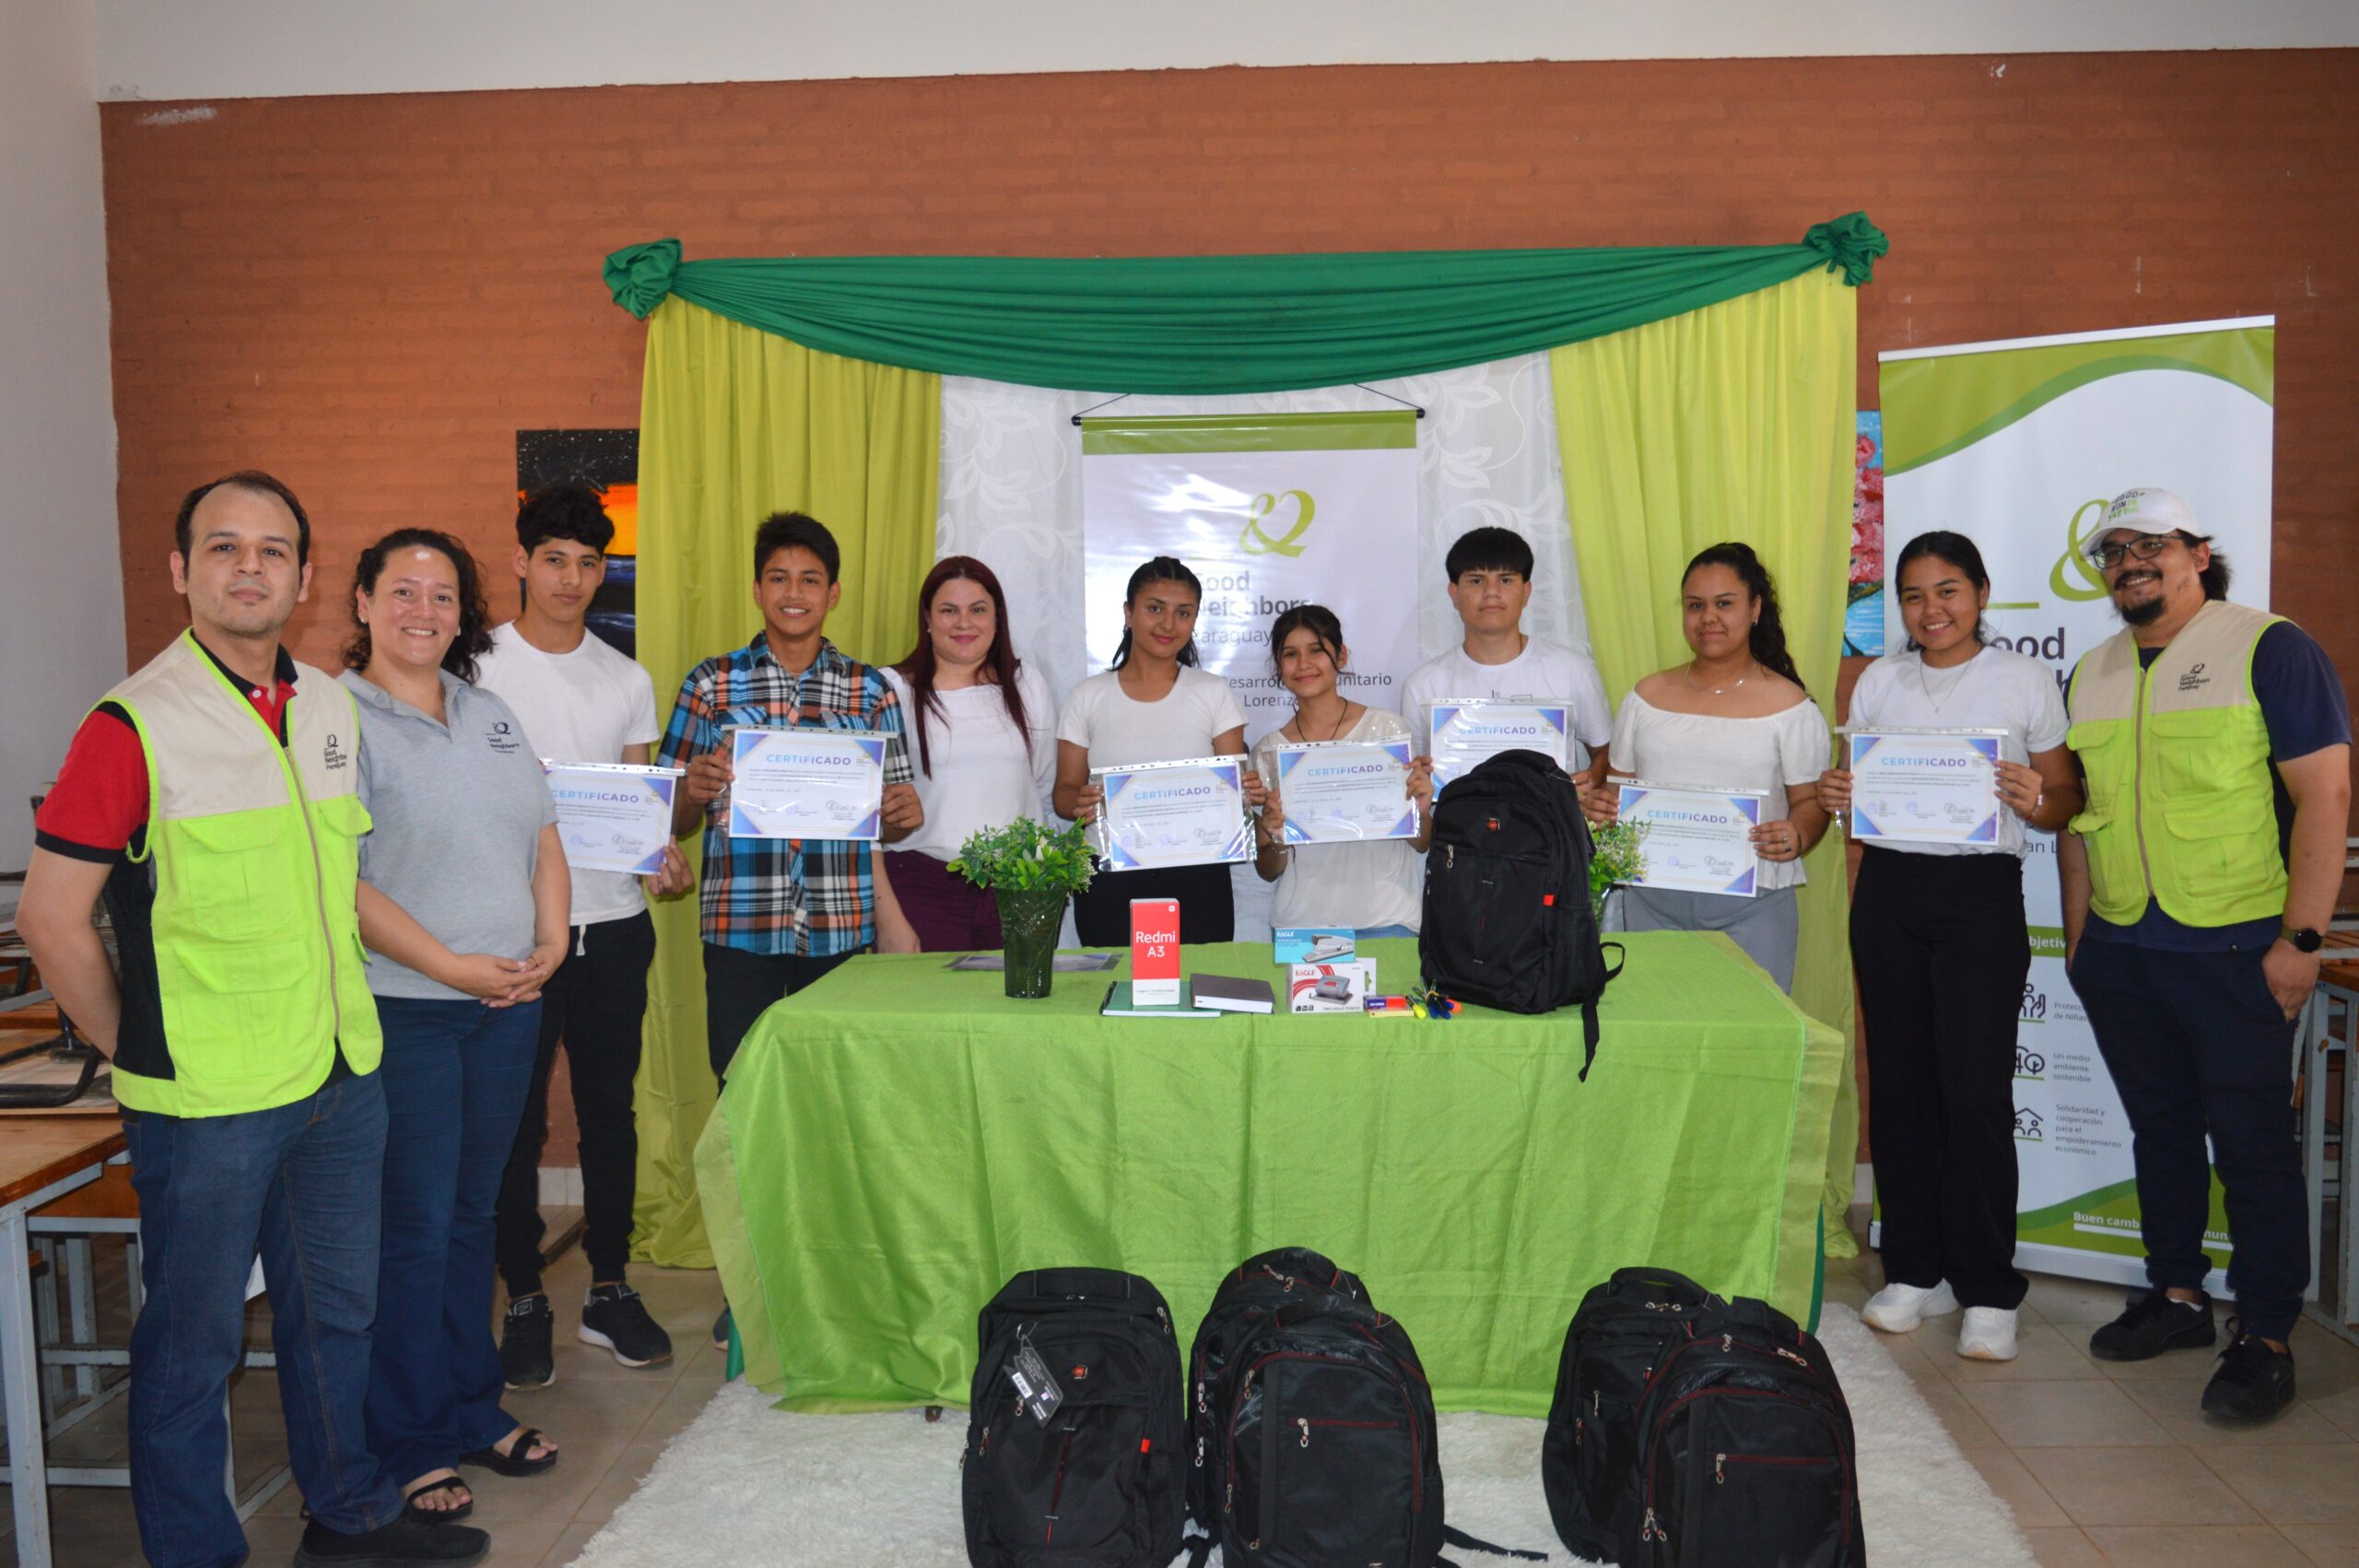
{"x": 1270, "y": 511}
{"x": 2019, "y": 445}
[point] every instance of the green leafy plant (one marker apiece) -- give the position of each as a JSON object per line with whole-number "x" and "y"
{"x": 1620, "y": 855}
{"x": 1027, "y": 857}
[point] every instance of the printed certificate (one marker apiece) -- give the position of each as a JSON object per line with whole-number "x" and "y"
{"x": 613, "y": 817}
{"x": 1173, "y": 814}
{"x": 1467, "y": 729}
{"x": 1344, "y": 791}
{"x": 1925, "y": 786}
{"x": 802, "y": 783}
{"x": 1697, "y": 840}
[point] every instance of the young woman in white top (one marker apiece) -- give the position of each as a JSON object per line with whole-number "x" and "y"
{"x": 1153, "y": 706}
{"x": 985, "y": 752}
{"x": 1734, "y": 717}
{"x": 1939, "y": 942}
{"x": 1375, "y": 887}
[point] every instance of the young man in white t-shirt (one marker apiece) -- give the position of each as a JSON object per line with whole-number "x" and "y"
{"x": 580, "y": 701}
{"x": 1490, "y": 583}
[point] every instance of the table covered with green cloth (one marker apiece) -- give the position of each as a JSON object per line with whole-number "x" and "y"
{"x": 896, "y": 1140}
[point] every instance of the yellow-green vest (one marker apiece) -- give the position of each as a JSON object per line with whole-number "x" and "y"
{"x": 256, "y": 849}
{"x": 2181, "y": 803}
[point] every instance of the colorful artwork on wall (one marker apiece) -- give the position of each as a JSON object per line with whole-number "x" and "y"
{"x": 608, "y": 459}
{"x": 1863, "y": 603}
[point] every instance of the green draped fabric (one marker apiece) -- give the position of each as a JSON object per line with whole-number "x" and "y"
{"x": 1212, "y": 324}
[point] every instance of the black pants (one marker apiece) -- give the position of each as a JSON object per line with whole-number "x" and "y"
{"x": 595, "y": 1004}
{"x": 1101, "y": 912}
{"x": 2197, "y": 1044}
{"x": 739, "y": 987}
{"x": 1941, "y": 949}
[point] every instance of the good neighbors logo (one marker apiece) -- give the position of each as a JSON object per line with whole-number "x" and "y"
{"x": 2085, "y": 582}
{"x": 1256, "y": 539}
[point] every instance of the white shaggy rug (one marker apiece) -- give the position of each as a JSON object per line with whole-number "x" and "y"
{"x": 754, "y": 1485}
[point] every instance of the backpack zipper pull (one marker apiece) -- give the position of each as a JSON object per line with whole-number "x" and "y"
{"x": 1792, "y": 1357}
{"x": 1304, "y": 1422}
{"x": 1577, "y": 1431}
{"x": 1200, "y": 1453}
{"x": 1595, "y": 1394}
{"x": 1201, "y": 1407}
{"x": 1652, "y": 1531}
{"x": 1728, "y": 1342}
{"x": 1719, "y": 1476}
{"x": 1167, "y": 1319}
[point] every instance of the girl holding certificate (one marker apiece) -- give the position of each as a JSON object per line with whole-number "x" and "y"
{"x": 462, "y": 858}
{"x": 1735, "y": 718}
{"x": 985, "y": 753}
{"x": 1939, "y": 942}
{"x": 1153, "y": 706}
{"x": 1374, "y": 886}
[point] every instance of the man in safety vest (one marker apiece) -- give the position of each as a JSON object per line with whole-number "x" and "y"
{"x": 2216, "y": 744}
{"x": 210, "y": 802}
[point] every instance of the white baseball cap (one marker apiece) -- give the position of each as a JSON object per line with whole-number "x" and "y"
{"x": 2149, "y": 510}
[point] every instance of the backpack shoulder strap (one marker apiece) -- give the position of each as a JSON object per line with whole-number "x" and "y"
{"x": 1459, "y": 1537}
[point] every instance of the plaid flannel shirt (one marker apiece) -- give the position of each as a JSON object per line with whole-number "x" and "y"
{"x": 784, "y": 895}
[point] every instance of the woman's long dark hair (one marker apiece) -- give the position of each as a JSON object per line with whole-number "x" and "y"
{"x": 475, "y": 621}
{"x": 1768, "y": 639}
{"x": 920, "y": 668}
{"x": 1958, "y": 550}
{"x": 1163, "y": 568}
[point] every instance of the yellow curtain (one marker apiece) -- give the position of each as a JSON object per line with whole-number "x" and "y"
{"x": 735, "y": 424}
{"x": 1732, "y": 422}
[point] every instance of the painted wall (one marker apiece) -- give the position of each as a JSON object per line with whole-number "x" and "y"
{"x": 170, "y": 48}
{"x": 61, "y": 591}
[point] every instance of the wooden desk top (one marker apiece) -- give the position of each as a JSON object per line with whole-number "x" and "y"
{"x": 37, "y": 1149}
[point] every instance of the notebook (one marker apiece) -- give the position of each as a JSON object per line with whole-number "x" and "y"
{"x": 1118, "y": 1004}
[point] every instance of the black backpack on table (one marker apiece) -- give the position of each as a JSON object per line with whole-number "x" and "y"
{"x": 1101, "y": 1484}
{"x": 1744, "y": 1451}
{"x": 1589, "y": 1458}
{"x": 1508, "y": 922}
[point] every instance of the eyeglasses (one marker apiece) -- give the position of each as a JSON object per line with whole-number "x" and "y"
{"x": 2146, "y": 546}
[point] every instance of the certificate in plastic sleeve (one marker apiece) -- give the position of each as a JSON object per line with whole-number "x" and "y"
{"x": 1925, "y": 786}
{"x": 806, "y": 783}
{"x": 1697, "y": 840}
{"x": 1344, "y": 791}
{"x": 613, "y": 817}
{"x": 1466, "y": 730}
{"x": 1173, "y": 814}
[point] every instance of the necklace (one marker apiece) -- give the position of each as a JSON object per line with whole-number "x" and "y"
{"x": 1925, "y": 683}
{"x": 1304, "y": 731}
{"x": 1718, "y": 691}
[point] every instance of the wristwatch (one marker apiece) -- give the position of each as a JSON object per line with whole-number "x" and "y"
{"x": 2305, "y": 939}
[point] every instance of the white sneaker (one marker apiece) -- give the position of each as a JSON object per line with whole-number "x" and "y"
{"x": 1988, "y": 1334}
{"x": 1897, "y": 1309}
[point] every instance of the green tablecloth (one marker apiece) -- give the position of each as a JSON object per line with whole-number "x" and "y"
{"x": 895, "y": 1141}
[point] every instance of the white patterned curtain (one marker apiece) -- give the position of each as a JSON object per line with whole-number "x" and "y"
{"x": 1486, "y": 456}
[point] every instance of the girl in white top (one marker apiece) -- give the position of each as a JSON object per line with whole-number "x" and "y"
{"x": 1734, "y": 717}
{"x": 981, "y": 720}
{"x": 1373, "y": 887}
{"x": 1940, "y": 947}
{"x": 1153, "y": 706}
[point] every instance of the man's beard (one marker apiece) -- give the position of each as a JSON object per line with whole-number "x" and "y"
{"x": 2143, "y": 615}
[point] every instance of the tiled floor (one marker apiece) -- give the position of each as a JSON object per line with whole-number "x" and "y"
{"x": 2101, "y": 1462}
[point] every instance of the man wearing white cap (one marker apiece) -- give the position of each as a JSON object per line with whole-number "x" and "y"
{"x": 2216, "y": 744}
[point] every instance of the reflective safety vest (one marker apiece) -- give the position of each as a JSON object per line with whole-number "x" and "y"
{"x": 2181, "y": 803}
{"x": 256, "y": 853}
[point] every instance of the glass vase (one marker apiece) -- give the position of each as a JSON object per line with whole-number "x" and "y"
{"x": 1028, "y": 923}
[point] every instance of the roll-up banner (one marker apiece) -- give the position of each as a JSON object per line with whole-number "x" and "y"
{"x": 1270, "y": 511}
{"x": 2019, "y": 445}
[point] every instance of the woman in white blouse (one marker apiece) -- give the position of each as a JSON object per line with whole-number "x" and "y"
{"x": 979, "y": 721}
{"x": 1734, "y": 717}
{"x": 1375, "y": 888}
{"x": 1153, "y": 706}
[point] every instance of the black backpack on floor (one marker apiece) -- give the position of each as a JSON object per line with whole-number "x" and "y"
{"x": 1588, "y": 1459}
{"x": 1508, "y": 922}
{"x": 1744, "y": 1451}
{"x": 1101, "y": 1483}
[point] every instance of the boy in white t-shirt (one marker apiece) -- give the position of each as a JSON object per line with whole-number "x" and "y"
{"x": 580, "y": 701}
{"x": 1490, "y": 583}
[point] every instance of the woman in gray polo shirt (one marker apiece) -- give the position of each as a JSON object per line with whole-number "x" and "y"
{"x": 463, "y": 898}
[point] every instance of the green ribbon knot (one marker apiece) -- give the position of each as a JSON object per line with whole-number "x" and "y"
{"x": 1850, "y": 244}
{"x": 639, "y": 276}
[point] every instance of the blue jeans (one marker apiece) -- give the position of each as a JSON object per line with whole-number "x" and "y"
{"x": 298, "y": 1184}
{"x": 455, "y": 1073}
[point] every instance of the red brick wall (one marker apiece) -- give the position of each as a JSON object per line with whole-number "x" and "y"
{"x": 370, "y": 296}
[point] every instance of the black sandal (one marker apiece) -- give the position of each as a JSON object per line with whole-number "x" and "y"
{"x": 444, "y": 1516}
{"x": 510, "y": 1464}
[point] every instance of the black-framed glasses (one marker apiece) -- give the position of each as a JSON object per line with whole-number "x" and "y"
{"x": 2146, "y": 546}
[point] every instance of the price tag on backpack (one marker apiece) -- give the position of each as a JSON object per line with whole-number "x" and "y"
{"x": 1035, "y": 1388}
